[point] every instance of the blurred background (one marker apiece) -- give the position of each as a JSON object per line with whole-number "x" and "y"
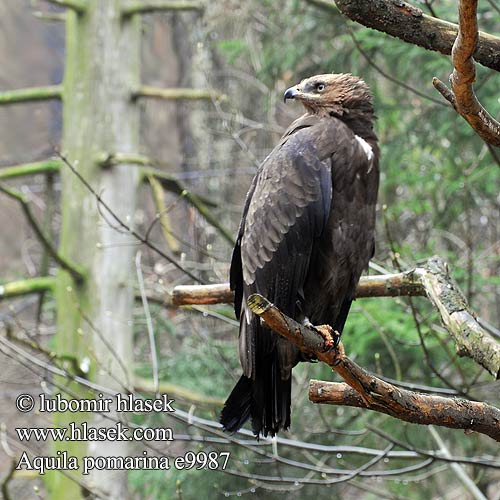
{"x": 439, "y": 195}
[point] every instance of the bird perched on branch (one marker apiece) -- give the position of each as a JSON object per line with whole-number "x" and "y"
{"x": 306, "y": 235}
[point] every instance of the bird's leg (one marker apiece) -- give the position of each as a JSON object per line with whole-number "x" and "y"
{"x": 331, "y": 336}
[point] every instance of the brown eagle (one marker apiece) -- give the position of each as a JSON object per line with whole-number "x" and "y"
{"x": 306, "y": 235}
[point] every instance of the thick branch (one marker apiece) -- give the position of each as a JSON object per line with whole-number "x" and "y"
{"x": 471, "y": 339}
{"x": 185, "y": 295}
{"x": 79, "y": 6}
{"x": 410, "y": 24}
{"x": 27, "y": 286}
{"x": 74, "y": 270}
{"x": 388, "y": 285}
{"x": 462, "y": 96}
{"x": 40, "y": 167}
{"x": 368, "y": 391}
{"x": 177, "y": 93}
{"x": 411, "y": 406}
{"x": 431, "y": 280}
{"x": 131, "y": 7}
{"x": 31, "y": 94}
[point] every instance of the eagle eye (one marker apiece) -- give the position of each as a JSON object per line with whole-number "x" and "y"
{"x": 320, "y": 87}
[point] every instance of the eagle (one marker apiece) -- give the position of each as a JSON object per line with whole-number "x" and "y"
{"x": 306, "y": 235}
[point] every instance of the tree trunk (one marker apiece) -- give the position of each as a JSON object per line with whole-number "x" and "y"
{"x": 95, "y": 317}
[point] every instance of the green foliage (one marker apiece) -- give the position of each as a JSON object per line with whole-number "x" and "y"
{"x": 232, "y": 49}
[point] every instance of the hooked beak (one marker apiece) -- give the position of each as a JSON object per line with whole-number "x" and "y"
{"x": 290, "y": 93}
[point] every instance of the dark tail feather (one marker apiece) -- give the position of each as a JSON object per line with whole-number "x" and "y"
{"x": 266, "y": 400}
{"x": 237, "y": 408}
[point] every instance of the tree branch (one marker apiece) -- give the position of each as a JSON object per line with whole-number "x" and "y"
{"x": 31, "y": 94}
{"x": 174, "y": 185}
{"x": 131, "y": 7}
{"x": 200, "y": 203}
{"x": 185, "y": 295}
{"x": 107, "y": 160}
{"x": 169, "y": 182}
{"x": 459, "y": 470}
{"x": 388, "y": 285}
{"x": 431, "y": 279}
{"x": 40, "y": 167}
{"x": 74, "y": 270}
{"x": 162, "y": 215}
{"x": 462, "y": 96}
{"x": 79, "y": 6}
{"x": 364, "y": 390}
{"x": 50, "y": 16}
{"x": 408, "y": 405}
{"x": 471, "y": 339}
{"x": 177, "y": 93}
{"x": 410, "y": 24}
{"x": 27, "y": 286}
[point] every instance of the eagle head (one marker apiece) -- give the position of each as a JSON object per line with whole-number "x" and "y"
{"x": 332, "y": 94}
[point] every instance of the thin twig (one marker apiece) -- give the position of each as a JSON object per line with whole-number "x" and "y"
{"x": 457, "y": 468}
{"x": 76, "y": 272}
{"x": 125, "y": 226}
{"x": 149, "y": 322}
{"x": 389, "y": 77}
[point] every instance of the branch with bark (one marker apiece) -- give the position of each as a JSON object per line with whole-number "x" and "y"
{"x": 131, "y": 7}
{"x": 408, "y": 23}
{"x": 387, "y": 285}
{"x": 364, "y": 390}
{"x": 431, "y": 280}
{"x": 462, "y": 96}
{"x": 78, "y": 6}
{"x": 31, "y": 94}
{"x": 39, "y": 167}
{"x": 27, "y": 286}
{"x": 471, "y": 339}
{"x": 410, "y": 406}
